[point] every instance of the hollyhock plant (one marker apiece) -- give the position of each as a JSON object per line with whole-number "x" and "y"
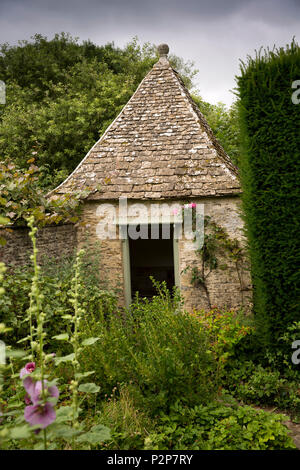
{"x": 50, "y": 392}
{"x": 28, "y": 383}
{"x": 41, "y": 414}
{"x": 29, "y": 367}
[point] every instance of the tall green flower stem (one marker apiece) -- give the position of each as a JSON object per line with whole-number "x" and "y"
{"x": 78, "y": 311}
{"x": 35, "y": 310}
{"x": 2, "y": 326}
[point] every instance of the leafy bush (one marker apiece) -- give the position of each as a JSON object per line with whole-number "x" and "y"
{"x": 253, "y": 383}
{"x": 226, "y": 331}
{"x": 21, "y": 196}
{"x": 219, "y": 427}
{"x": 269, "y": 171}
{"x": 155, "y": 347}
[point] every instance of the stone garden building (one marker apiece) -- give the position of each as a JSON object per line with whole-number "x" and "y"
{"x": 159, "y": 153}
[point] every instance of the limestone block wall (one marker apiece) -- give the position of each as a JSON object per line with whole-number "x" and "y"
{"x": 52, "y": 242}
{"x": 111, "y": 263}
{"x": 223, "y": 284}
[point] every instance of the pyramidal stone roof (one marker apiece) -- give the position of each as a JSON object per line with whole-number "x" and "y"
{"x": 159, "y": 146}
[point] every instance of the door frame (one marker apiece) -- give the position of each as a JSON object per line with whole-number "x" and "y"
{"x": 126, "y": 259}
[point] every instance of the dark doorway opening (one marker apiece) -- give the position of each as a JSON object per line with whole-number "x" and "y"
{"x": 152, "y": 257}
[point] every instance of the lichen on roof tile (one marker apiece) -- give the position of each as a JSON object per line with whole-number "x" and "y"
{"x": 160, "y": 127}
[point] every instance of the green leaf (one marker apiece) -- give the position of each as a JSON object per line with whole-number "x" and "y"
{"x": 62, "y": 337}
{"x": 15, "y": 353}
{"x": 80, "y": 375}
{"x": 64, "y": 431}
{"x": 4, "y": 220}
{"x": 3, "y": 242}
{"x": 96, "y": 435}
{"x": 68, "y": 358}
{"x": 89, "y": 341}
{"x": 64, "y": 413}
{"x": 89, "y": 388}
{"x": 21, "y": 432}
{"x": 67, "y": 317}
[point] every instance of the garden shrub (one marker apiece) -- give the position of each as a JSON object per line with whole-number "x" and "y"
{"x": 269, "y": 173}
{"x": 159, "y": 350}
{"x": 227, "y": 331}
{"x": 219, "y": 427}
{"x": 253, "y": 383}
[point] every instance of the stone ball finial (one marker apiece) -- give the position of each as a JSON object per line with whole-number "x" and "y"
{"x": 163, "y": 50}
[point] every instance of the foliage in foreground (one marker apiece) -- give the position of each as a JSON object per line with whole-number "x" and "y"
{"x": 220, "y": 425}
{"x": 38, "y": 426}
{"x": 55, "y": 282}
{"x": 158, "y": 373}
{"x": 158, "y": 349}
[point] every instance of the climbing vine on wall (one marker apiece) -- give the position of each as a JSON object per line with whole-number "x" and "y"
{"x": 217, "y": 249}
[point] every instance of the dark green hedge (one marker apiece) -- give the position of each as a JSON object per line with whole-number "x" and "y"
{"x": 270, "y": 125}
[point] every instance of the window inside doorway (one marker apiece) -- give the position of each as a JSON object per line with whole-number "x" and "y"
{"x": 152, "y": 257}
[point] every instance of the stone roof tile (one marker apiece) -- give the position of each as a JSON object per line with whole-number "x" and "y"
{"x": 159, "y": 146}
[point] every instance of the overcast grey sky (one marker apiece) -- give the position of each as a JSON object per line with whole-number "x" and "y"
{"x": 214, "y": 34}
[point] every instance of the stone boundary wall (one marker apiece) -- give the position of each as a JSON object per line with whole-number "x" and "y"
{"x": 52, "y": 242}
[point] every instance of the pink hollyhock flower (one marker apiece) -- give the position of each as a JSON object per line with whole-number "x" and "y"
{"x": 29, "y": 367}
{"x": 28, "y": 383}
{"x": 175, "y": 211}
{"x": 36, "y": 392}
{"x": 192, "y": 205}
{"x": 40, "y": 415}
